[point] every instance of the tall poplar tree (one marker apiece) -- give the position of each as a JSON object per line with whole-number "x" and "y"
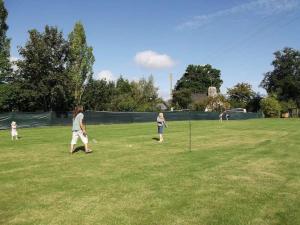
{"x": 80, "y": 61}
{"x": 5, "y": 66}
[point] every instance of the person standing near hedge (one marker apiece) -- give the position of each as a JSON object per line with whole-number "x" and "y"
{"x": 78, "y": 130}
{"x": 161, "y": 123}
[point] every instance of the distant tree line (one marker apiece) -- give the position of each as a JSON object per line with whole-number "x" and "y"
{"x": 198, "y": 78}
{"x": 56, "y": 74}
{"x": 282, "y": 85}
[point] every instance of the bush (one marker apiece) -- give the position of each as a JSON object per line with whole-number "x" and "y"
{"x": 270, "y": 107}
{"x": 217, "y": 104}
{"x": 286, "y": 106}
{"x": 254, "y": 104}
{"x": 199, "y": 106}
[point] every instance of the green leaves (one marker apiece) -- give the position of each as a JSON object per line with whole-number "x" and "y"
{"x": 121, "y": 95}
{"x": 80, "y": 61}
{"x": 53, "y": 72}
{"x": 284, "y": 79}
{"x": 138, "y": 95}
{"x": 5, "y": 65}
{"x": 42, "y": 71}
{"x": 196, "y": 79}
{"x": 240, "y": 95}
{"x": 98, "y": 95}
{"x": 270, "y": 107}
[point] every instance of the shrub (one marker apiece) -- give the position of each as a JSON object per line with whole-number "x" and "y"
{"x": 199, "y": 106}
{"x": 286, "y": 106}
{"x": 270, "y": 107}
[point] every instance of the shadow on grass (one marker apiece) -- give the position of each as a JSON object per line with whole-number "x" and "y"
{"x": 155, "y": 138}
{"x": 18, "y": 138}
{"x": 78, "y": 149}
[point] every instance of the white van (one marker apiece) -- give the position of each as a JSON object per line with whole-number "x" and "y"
{"x": 241, "y": 110}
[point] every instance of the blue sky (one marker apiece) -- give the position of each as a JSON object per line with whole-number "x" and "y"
{"x": 137, "y": 38}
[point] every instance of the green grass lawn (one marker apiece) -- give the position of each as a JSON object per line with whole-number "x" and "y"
{"x": 239, "y": 172}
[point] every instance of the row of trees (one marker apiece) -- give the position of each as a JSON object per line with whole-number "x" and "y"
{"x": 5, "y": 66}
{"x": 282, "y": 85}
{"x": 197, "y": 79}
{"x": 121, "y": 95}
{"x": 56, "y": 74}
{"x": 52, "y": 72}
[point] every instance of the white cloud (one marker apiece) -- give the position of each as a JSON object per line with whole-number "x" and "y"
{"x": 153, "y": 60}
{"x": 105, "y": 75}
{"x": 13, "y": 60}
{"x": 263, "y": 7}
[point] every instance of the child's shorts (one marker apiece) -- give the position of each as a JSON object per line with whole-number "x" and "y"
{"x": 76, "y": 134}
{"x": 160, "y": 129}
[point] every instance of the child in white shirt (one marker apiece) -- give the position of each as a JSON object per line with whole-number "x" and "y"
{"x": 14, "y": 132}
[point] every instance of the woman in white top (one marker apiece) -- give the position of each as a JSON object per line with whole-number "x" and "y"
{"x": 78, "y": 130}
{"x": 161, "y": 123}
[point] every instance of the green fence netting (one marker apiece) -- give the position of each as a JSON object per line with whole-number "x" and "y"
{"x": 24, "y": 119}
{"x": 36, "y": 119}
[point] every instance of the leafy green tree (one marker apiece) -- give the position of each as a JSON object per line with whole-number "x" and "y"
{"x": 122, "y": 98}
{"x": 136, "y": 95}
{"x": 182, "y": 98}
{"x": 254, "y": 104}
{"x": 145, "y": 94}
{"x": 270, "y": 107}
{"x": 5, "y": 66}
{"x": 123, "y": 86}
{"x": 240, "y": 95}
{"x": 216, "y": 104}
{"x": 199, "y": 106}
{"x": 199, "y": 78}
{"x": 124, "y": 103}
{"x": 41, "y": 78}
{"x": 98, "y": 95}
{"x": 286, "y": 106}
{"x": 284, "y": 79}
{"x": 148, "y": 89}
{"x": 196, "y": 79}
{"x": 80, "y": 61}
{"x": 5, "y": 96}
